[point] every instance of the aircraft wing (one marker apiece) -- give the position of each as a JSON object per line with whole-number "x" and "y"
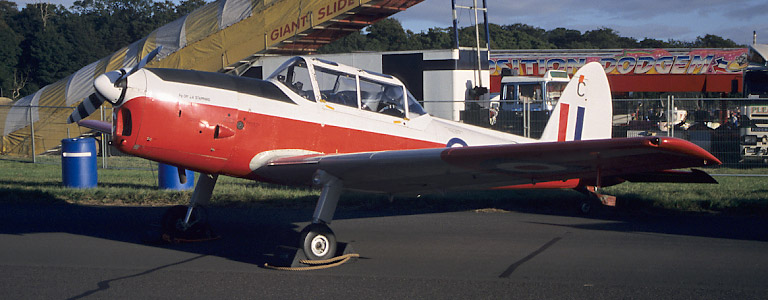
{"x": 483, "y": 167}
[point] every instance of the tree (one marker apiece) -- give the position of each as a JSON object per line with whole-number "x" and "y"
{"x": 713, "y": 41}
{"x": 607, "y": 38}
{"x": 9, "y": 57}
{"x": 353, "y": 42}
{"x": 653, "y": 43}
{"x": 8, "y": 9}
{"x": 387, "y": 35}
{"x": 563, "y": 38}
{"x": 434, "y": 38}
{"x": 45, "y": 10}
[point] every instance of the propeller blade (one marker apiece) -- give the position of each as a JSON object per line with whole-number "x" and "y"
{"x": 106, "y": 84}
{"x": 86, "y": 108}
{"x": 144, "y": 61}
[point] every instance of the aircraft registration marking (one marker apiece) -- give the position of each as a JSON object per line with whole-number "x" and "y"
{"x": 183, "y": 96}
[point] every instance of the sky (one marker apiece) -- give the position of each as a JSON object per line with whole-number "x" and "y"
{"x": 657, "y": 19}
{"x": 683, "y": 20}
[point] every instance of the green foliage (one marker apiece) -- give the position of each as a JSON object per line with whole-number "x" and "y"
{"x": 388, "y": 35}
{"x": 9, "y": 56}
{"x": 45, "y": 42}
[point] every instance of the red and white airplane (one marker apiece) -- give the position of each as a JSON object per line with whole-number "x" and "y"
{"x": 316, "y": 122}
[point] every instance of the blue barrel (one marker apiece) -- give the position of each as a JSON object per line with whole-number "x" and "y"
{"x": 168, "y": 178}
{"x": 78, "y": 163}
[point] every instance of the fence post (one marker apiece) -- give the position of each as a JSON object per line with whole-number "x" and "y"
{"x": 103, "y": 142}
{"x": 674, "y": 118}
{"x": 669, "y": 114}
{"x": 32, "y": 129}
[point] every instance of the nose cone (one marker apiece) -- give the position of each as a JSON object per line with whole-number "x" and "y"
{"x": 106, "y": 87}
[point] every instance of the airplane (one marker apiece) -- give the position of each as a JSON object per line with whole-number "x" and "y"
{"x": 319, "y": 123}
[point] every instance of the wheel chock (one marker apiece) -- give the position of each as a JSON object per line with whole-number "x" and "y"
{"x": 607, "y": 200}
{"x": 293, "y": 259}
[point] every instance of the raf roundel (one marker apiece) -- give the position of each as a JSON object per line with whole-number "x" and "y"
{"x": 456, "y": 142}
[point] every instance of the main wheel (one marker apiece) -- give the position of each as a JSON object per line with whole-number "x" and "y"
{"x": 589, "y": 206}
{"x": 318, "y": 242}
{"x": 585, "y": 207}
{"x": 174, "y": 226}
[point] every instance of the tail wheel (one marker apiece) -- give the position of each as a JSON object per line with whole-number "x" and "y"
{"x": 318, "y": 242}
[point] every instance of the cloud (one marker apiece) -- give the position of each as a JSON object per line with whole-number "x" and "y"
{"x": 659, "y": 19}
{"x": 65, "y": 3}
{"x": 749, "y": 12}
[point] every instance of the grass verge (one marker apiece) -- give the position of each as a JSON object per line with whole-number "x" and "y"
{"x": 41, "y": 183}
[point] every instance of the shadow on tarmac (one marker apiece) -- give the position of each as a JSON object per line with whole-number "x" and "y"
{"x": 252, "y": 233}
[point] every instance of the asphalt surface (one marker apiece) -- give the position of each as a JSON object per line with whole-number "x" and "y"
{"x": 60, "y": 251}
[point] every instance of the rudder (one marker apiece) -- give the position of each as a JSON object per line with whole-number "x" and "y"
{"x": 585, "y": 109}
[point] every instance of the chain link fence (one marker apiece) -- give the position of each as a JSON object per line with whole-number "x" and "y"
{"x": 733, "y": 129}
{"x": 49, "y": 128}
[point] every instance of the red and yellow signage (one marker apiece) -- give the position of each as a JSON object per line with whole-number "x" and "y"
{"x": 631, "y": 69}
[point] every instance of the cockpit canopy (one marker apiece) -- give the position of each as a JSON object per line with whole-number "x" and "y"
{"x": 325, "y": 81}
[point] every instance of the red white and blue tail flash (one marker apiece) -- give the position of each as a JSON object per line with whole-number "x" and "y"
{"x": 584, "y": 111}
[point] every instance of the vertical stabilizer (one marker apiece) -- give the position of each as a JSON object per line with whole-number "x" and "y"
{"x": 585, "y": 110}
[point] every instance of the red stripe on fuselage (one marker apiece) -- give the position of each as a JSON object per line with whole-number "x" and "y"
{"x": 562, "y": 128}
{"x": 182, "y": 134}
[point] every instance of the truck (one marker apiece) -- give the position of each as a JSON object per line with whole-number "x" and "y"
{"x": 523, "y": 104}
{"x": 753, "y": 131}
{"x": 754, "y": 134}
{"x": 526, "y": 93}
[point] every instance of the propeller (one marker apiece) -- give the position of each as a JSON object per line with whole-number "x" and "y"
{"x": 111, "y": 87}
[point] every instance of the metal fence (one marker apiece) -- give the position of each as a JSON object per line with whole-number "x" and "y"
{"x": 720, "y": 126}
{"x": 49, "y": 128}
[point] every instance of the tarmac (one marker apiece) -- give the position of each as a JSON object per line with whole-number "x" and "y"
{"x": 62, "y": 251}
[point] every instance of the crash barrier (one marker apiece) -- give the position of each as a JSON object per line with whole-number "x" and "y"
{"x": 78, "y": 163}
{"x": 730, "y": 128}
{"x": 168, "y": 178}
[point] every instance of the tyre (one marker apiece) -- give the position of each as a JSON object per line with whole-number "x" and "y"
{"x": 318, "y": 242}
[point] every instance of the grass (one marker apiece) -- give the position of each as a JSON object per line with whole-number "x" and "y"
{"x": 741, "y": 195}
{"x": 27, "y": 182}
{"x": 136, "y": 184}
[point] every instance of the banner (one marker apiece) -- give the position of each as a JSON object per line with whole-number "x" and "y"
{"x": 623, "y": 62}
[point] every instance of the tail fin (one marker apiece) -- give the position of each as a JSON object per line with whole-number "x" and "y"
{"x": 585, "y": 109}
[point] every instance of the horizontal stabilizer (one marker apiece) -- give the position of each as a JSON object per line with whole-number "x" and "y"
{"x": 672, "y": 176}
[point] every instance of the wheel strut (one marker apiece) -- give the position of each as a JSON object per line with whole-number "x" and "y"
{"x": 317, "y": 239}
{"x": 189, "y": 223}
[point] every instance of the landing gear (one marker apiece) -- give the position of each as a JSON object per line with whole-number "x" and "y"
{"x": 190, "y": 223}
{"x": 594, "y": 200}
{"x": 318, "y": 242}
{"x": 317, "y": 239}
{"x": 175, "y": 227}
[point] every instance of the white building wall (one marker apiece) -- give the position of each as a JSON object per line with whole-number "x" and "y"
{"x": 445, "y": 92}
